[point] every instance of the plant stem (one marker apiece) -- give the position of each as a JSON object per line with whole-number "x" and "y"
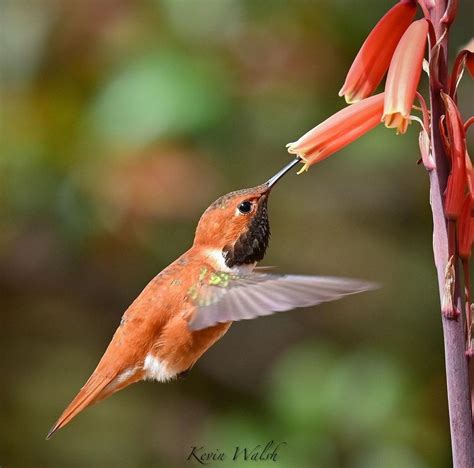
{"x": 457, "y": 379}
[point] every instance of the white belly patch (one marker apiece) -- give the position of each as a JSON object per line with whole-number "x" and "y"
{"x": 156, "y": 369}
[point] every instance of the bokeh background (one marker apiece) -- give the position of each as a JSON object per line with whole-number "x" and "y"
{"x": 121, "y": 121}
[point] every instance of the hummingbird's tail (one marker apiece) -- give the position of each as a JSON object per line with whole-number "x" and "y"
{"x": 97, "y": 388}
{"x": 89, "y": 394}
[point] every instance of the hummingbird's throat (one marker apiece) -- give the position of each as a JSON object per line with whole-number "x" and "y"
{"x": 251, "y": 246}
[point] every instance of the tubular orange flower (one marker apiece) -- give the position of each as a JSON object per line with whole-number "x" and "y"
{"x": 457, "y": 179}
{"x": 404, "y": 75}
{"x": 374, "y": 57}
{"x": 338, "y": 131}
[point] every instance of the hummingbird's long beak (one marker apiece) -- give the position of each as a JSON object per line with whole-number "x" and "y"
{"x": 273, "y": 180}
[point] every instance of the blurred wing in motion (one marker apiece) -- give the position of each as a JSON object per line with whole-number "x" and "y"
{"x": 229, "y": 298}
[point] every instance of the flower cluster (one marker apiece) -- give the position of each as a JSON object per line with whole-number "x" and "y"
{"x": 396, "y": 48}
{"x": 397, "y": 45}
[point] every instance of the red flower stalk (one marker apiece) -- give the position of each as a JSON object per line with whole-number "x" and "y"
{"x": 404, "y": 75}
{"x": 457, "y": 179}
{"x": 373, "y": 59}
{"x": 338, "y": 131}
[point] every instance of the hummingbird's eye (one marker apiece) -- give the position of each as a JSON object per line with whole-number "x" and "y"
{"x": 245, "y": 207}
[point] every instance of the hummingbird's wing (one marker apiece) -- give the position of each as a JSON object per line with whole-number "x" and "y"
{"x": 228, "y": 298}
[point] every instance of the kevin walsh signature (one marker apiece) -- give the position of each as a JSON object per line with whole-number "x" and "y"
{"x": 268, "y": 452}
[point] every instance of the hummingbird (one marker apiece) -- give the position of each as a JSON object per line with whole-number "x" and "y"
{"x": 192, "y": 303}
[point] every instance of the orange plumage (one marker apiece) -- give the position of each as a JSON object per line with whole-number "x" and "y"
{"x": 155, "y": 324}
{"x": 191, "y": 304}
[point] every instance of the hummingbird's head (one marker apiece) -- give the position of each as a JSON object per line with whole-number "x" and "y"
{"x": 237, "y": 223}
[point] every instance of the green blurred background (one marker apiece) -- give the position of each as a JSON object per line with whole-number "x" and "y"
{"x": 121, "y": 121}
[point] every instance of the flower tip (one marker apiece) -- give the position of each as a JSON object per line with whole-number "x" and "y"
{"x": 303, "y": 169}
{"x": 351, "y": 99}
{"x": 397, "y": 121}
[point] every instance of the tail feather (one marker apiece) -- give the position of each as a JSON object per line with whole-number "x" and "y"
{"x": 94, "y": 390}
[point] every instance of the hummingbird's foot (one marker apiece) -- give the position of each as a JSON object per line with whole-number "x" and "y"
{"x": 184, "y": 374}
